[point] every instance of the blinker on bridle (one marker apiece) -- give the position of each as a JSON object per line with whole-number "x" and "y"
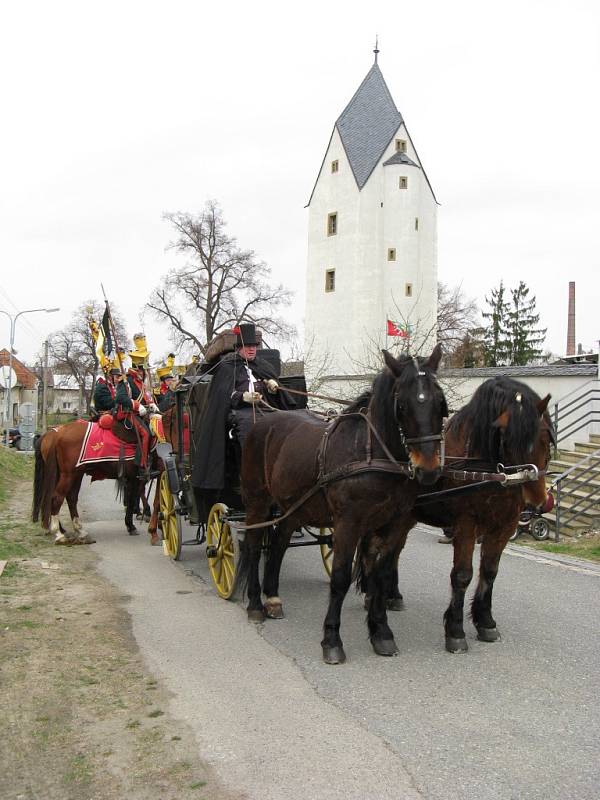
{"x": 421, "y": 397}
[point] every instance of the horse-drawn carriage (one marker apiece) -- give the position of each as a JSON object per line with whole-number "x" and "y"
{"x": 217, "y": 514}
{"x": 388, "y": 461}
{"x": 370, "y": 474}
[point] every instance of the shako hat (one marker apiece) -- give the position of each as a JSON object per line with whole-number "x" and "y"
{"x": 115, "y": 366}
{"x": 165, "y": 372}
{"x": 140, "y": 353}
{"x": 247, "y": 334}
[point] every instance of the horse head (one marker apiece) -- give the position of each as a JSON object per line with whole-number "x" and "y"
{"x": 526, "y": 437}
{"x": 419, "y": 411}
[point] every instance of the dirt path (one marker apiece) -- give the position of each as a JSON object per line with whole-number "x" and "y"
{"x": 81, "y": 717}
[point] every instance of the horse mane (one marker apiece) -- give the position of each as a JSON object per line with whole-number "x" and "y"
{"x": 476, "y": 421}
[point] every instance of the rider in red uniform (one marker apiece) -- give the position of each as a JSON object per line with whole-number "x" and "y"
{"x": 133, "y": 399}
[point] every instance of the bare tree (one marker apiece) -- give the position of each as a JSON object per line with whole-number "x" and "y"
{"x": 457, "y": 318}
{"x": 72, "y": 349}
{"x": 218, "y": 286}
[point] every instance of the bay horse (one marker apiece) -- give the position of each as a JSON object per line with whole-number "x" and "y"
{"x": 505, "y": 423}
{"x": 300, "y": 464}
{"x": 57, "y": 478}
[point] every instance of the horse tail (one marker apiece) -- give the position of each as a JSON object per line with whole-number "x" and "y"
{"x": 48, "y": 478}
{"x": 38, "y": 482}
{"x": 121, "y": 480}
{"x": 359, "y": 576}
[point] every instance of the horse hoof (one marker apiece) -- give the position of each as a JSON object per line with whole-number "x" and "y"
{"x": 385, "y": 647}
{"x": 147, "y": 517}
{"x": 154, "y": 540}
{"x": 395, "y": 603}
{"x": 85, "y": 539}
{"x": 488, "y": 634}
{"x": 333, "y": 655}
{"x": 139, "y": 517}
{"x": 256, "y": 615}
{"x": 456, "y": 645}
{"x": 133, "y": 531}
{"x": 274, "y": 610}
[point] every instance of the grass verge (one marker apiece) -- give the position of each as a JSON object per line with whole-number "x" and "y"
{"x": 586, "y": 546}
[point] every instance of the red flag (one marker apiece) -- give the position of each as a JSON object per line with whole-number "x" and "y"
{"x": 396, "y": 329}
{"x": 393, "y": 329}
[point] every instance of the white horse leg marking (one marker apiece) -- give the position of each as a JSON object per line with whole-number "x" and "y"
{"x": 54, "y": 525}
{"x": 77, "y": 526}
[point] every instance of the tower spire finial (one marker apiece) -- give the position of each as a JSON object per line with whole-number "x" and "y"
{"x": 376, "y": 51}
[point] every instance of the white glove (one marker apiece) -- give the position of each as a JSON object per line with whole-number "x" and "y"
{"x": 142, "y": 411}
{"x": 251, "y": 397}
{"x": 154, "y": 408}
{"x": 272, "y": 386}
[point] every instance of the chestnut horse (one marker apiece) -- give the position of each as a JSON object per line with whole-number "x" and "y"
{"x": 505, "y": 423}
{"x": 57, "y": 478}
{"x": 298, "y": 462}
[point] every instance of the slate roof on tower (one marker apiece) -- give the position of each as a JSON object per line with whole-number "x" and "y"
{"x": 366, "y": 127}
{"x": 367, "y": 124}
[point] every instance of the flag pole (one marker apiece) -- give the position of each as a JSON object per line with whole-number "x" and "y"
{"x": 112, "y": 327}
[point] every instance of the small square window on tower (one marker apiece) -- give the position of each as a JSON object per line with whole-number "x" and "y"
{"x": 416, "y": 223}
{"x": 331, "y": 224}
{"x": 408, "y": 289}
{"x": 330, "y": 280}
{"x": 401, "y": 145}
{"x": 335, "y": 165}
{"x": 403, "y": 182}
{"x": 391, "y": 253}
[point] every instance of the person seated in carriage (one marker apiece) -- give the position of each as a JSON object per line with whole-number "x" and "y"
{"x": 243, "y": 388}
{"x": 168, "y": 383}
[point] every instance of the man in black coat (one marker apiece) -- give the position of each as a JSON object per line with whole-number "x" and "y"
{"x": 245, "y": 384}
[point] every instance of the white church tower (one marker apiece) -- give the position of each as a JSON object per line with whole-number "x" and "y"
{"x": 372, "y": 236}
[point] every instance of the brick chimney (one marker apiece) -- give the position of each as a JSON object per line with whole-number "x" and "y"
{"x": 571, "y": 323}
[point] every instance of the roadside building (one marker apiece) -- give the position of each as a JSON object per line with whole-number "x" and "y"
{"x": 24, "y": 388}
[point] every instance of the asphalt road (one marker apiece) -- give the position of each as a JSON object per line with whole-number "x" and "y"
{"x": 514, "y": 719}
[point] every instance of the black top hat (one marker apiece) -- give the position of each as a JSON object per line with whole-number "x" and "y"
{"x": 246, "y": 334}
{"x": 116, "y": 371}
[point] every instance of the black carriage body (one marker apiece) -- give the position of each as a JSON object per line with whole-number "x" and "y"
{"x": 193, "y": 397}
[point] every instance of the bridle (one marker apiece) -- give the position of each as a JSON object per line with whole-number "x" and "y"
{"x": 407, "y": 441}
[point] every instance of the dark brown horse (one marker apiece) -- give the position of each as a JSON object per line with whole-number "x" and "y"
{"x": 58, "y": 478}
{"x": 504, "y": 423}
{"x": 290, "y": 454}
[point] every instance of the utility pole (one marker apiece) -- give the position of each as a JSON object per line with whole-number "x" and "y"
{"x": 13, "y": 324}
{"x": 45, "y": 389}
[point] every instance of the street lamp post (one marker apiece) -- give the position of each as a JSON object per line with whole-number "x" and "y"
{"x": 13, "y": 325}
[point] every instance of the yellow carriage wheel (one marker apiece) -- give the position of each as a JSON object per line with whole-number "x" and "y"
{"x": 222, "y": 550}
{"x": 326, "y": 550}
{"x": 170, "y": 520}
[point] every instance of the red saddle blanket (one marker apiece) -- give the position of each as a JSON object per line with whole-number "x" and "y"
{"x": 100, "y": 444}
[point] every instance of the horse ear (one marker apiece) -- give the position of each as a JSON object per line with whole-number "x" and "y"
{"x": 391, "y": 363}
{"x": 434, "y": 359}
{"x": 502, "y": 421}
{"x": 543, "y": 404}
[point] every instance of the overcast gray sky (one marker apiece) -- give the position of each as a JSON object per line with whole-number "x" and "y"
{"x": 115, "y": 112}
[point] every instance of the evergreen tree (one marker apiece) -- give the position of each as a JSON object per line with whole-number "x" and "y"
{"x": 525, "y": 340}
{"x": 496, "y": 335}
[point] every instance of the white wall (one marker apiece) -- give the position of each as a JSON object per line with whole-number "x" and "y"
{"x": 460, "y": 390}
{"x": 349, "y": 323}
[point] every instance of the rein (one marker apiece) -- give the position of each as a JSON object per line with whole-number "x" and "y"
{"x": 318, "y": 396}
